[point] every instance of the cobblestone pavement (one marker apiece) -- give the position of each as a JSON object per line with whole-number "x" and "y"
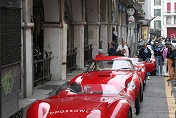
{"x": 157, "y": 99}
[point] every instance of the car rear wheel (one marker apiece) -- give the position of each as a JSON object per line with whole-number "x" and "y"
{"x": 129, "y": 114}
{"x": 137, "y": 104}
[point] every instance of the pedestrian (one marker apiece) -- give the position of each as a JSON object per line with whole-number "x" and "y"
{"x": 171, "y": 63}
{"x": 114, "y": 36}
{"x": 129, "y": 50}
{"x": 166, "y": 54}
{"x": 158, "y": 57}
{"x": 112, "y": 49}
{"x": 119, "y": 53}
{"x": 123, "y": 46}
{"x": 145, "y": 54}
{"x": 100, "y": 53}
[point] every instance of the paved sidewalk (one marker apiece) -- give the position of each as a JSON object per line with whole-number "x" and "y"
{"x": 43, "y": 91}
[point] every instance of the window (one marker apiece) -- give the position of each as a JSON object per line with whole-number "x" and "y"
{"x": 157, "y": 12}
{"x": 168, "y": 20}
{"x": 157, "y": 24}
{"x": 168, "y": 7}
{"x": 175, "y": 7}
{"x": 157, "y": 2}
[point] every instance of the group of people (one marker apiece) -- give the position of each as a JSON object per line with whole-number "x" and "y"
{"x": 161, "y": 54}
{"x": 121, "y": 50}
{"x": 165, "y": 64}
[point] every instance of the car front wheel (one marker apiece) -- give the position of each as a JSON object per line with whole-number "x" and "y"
{"x": 137, "y": 104}
{"x": 129, "y": 114}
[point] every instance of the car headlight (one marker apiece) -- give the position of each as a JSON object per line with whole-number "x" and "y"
{"x": 131, "y": 85}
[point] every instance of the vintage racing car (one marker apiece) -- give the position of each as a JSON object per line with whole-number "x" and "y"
{"x": 93, "y": 101}
{"x": 112, "y": 70}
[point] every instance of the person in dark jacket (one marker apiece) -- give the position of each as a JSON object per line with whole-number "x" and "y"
{"x": 158, "y": 51}
{"x": 119, "y": 53}
{"x": 145, "y": 54}
{"x": 112, "y": 49}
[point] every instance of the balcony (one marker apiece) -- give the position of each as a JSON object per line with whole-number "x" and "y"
{"x": 169, "y": 13}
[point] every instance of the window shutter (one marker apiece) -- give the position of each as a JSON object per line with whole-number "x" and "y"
{"x": 159, "y": 12}
{"x": 154, "y": 2}
{"x": 168, "y": 7}
{"x": 160, "y": 2}
{"x": 154, "y": 24}
{"x": 154, "y": 12}
{"x": 175, "y": 7}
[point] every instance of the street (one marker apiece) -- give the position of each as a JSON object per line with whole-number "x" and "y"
{"x": 156, "y": 95}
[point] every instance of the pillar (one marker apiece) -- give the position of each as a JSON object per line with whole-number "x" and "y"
{"x": 28, "y": 63}
{"x": 93, "y": 38}
{"x": 79, "y": 44}
{"x": 104, "y": 38}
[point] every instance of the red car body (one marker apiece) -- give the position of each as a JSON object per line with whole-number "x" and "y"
{"x": 68, "y": 104}
{"x": 118, "y": 78}
{"x": 143, "y": 67}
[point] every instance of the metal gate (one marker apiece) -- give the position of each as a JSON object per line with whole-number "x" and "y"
{"x": 10, "y": 56}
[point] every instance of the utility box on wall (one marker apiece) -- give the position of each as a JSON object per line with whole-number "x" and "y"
{"x": 10, "y": 56}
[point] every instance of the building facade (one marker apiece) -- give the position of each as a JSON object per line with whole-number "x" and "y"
{"x": 169, "y": 18}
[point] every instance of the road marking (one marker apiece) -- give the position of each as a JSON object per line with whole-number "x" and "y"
{"x": 170, "y": 99}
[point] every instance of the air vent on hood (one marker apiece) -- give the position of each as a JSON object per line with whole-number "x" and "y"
{"x": 103, "y": 75}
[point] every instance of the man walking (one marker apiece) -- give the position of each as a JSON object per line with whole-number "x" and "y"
{"x": 145, "y": 54}
{"x": 123, "y": 46}
{"x": 158, "y": 57}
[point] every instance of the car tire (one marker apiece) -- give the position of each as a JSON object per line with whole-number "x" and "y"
{"x": 144, "y": 84}
{"x": 153, "y": 73}
{"x": 129, "y": 114}
{"x": 141, "y": 96}
{"x": 137, "y": 104}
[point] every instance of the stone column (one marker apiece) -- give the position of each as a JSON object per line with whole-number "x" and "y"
{"x": 93, "y": 38}
{"x": 104, "y": 38}
{"x": 64, "y": 51}
{"x": 53, "y": 43}
{"x": 28, "y": 63}
{"x": 79, "y": 44}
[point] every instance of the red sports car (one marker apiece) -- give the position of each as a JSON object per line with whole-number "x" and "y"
{"x": 112, "y": 70}
{"x": 142, "y": 67}
{"x": 94, "y": 101}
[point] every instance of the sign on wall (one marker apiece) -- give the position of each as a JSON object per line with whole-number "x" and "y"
{"x": 145, "y": 31}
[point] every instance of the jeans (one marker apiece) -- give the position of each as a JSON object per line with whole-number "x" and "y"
{"x": 147, "y": 60}
{"x": 159, "y": 63}
{"x": 165, "y": 67}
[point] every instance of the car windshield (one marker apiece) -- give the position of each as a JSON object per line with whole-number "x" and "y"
{"x": 101, "y": 65}
{"x": 136, "y": 60}
{"x": 99, "y": 89}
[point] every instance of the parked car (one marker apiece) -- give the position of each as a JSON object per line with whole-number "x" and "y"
{"x": 112, "y": 70}
{"x": 94, "y": 101}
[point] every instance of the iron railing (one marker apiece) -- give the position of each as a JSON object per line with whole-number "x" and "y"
{"x": 41, "y": 67}
{"x": 71, "y": 59}
{"x": 88, "y": 53}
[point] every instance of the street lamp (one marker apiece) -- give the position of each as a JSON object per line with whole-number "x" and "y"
{"x": 131, "y": 19}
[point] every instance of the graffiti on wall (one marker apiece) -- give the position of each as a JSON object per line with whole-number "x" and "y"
{"x": 8, "y": 81}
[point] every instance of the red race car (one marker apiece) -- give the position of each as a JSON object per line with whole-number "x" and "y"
{"x": 142, "y": 67}
{"x": 94, "y": 101}
{"x": 112, "y": 70}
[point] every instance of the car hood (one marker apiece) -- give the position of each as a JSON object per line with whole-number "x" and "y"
{"x": 77, "y": 106}
{"x": 117, "y": 78}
